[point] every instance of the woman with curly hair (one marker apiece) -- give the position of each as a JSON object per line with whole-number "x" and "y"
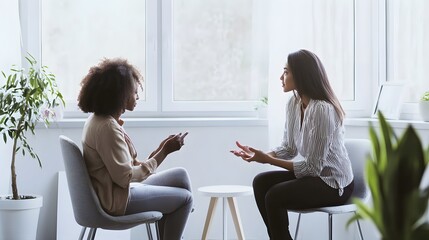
{"x": 314, "y": 129}
{"x": 108, "y": 90}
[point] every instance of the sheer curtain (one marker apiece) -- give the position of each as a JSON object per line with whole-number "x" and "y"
{"x": 321, "y": 26}
{"x": 408, "y": 46}
{"x": 10, "y": 47}
{"x": 10, "y": 53}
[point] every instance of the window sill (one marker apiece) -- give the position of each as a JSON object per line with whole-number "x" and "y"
{"x": 168, "y": 122}
{"x": 365, "y": 122}
{"x": 225, "y": 122}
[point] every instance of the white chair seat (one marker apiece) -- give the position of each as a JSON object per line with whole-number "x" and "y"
{"x": 332, "y": 210}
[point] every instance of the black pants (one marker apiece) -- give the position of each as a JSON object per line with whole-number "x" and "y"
{"x": 278, "y": 191}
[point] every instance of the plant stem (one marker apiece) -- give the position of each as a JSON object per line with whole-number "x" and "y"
{"x": 12, "y": 165}
{"x": 12, "y": 168}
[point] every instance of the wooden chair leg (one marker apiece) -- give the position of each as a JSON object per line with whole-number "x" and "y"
{"x": 209, "y": 217}
{"x": 236, "y": 217}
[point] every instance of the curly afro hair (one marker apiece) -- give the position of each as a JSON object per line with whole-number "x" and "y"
{"x": 106, "y": 88}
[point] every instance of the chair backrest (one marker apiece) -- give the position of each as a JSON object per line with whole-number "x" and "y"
{"x": 86, "y": 207}
{"x": 358, "y": 151}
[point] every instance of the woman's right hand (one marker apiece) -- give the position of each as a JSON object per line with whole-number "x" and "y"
{"x": 250, "y": 154}
{"x": 173, "y": 143}
{"x": 244, "y": 151}
{"x": 160, "y": 146}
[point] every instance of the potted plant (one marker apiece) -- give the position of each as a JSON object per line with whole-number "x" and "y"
{"x": 424, "y": 106}
{"x": 26, "y": 98}
{"x": 394, "y": 172}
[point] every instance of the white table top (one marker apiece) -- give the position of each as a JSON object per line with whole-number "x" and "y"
{"x": 226, "y": 190}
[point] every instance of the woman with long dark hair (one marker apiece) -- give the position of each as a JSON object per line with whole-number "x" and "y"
{"x": 314, "y": 129}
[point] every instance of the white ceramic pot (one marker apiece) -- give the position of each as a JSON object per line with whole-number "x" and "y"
{"x": 424, "y": 110}
{"x": 19, "y": 218}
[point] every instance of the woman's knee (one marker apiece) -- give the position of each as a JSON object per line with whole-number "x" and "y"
{"x": 182, "y": 177}
{"x": 189, "y": 198}
{"x": 173, "y": 177}
{"x": 181, "y": 171}
{"x": 258, "y": 178}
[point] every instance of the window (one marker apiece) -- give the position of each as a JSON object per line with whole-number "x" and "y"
{"x": 10, "y": 42}
{"x": 215, "y": 57}
{"x": 205, "y": 56}
{"x": 407, "y": 49}
{"x": 75, "y": 38}
{"x": 340, "y": 33}
{"x": 216, "y": 54}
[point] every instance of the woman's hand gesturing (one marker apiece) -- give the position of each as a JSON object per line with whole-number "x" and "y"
{"x": 250, "y": 154}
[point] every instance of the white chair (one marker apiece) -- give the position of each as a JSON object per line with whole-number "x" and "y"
{"x": 358, "y": 151}
{"x": 87, "y": 209}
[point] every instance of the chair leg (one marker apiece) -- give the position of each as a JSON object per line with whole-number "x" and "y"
{"x": 360, "y": 230}
{"x": 297, "y": 227}
{"x": 157, "y": 231}
{"x": 330, "y": 226}
{"x": 149, "y": 231}
{"x": 91, "y": 234}
{"x": 82, "y": 233}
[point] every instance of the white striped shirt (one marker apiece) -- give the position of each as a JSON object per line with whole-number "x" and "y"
{"x": 320, "y": 141}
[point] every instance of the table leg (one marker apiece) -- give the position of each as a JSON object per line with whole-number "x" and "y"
{"x": 224, "y": 223}
{"x": 209, "y": 217}
{"x": 236, "y": 217}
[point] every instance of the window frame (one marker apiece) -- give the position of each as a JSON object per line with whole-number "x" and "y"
{"x": 366, "y": 47}
{"x": 216, "y": 108}
{"x": 409, "y": 110}
{"x": 371, "y": 63}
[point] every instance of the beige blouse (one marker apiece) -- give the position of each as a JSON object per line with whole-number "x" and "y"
{"x": 109, "y": 162}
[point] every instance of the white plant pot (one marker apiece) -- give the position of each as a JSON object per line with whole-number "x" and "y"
{"x": 424, "y": 110}
{"x": 19, "y": 218}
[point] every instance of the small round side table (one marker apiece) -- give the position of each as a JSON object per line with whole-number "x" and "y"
{"x": 227, "y": 193}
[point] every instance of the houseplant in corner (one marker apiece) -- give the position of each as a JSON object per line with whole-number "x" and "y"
{"x": 27, "y": 97}
{"x": 424, "y": 106}
{"x": 394, "y": 173}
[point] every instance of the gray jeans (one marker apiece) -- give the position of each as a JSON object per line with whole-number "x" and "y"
{"x": 169, "y": 192}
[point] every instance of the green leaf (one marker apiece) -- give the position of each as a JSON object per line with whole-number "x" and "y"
{"x": 24, "y": 95}
{"x": 393, "y": 173}
{"x": 421, "y": 233}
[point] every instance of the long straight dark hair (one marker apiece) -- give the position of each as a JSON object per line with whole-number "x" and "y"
{"x": 311, "y": 79}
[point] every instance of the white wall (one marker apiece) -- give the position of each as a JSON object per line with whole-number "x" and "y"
{"x": 10, "y": 53}
{"x": 206, "y": 156}
{"x": 208, "y": 161}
